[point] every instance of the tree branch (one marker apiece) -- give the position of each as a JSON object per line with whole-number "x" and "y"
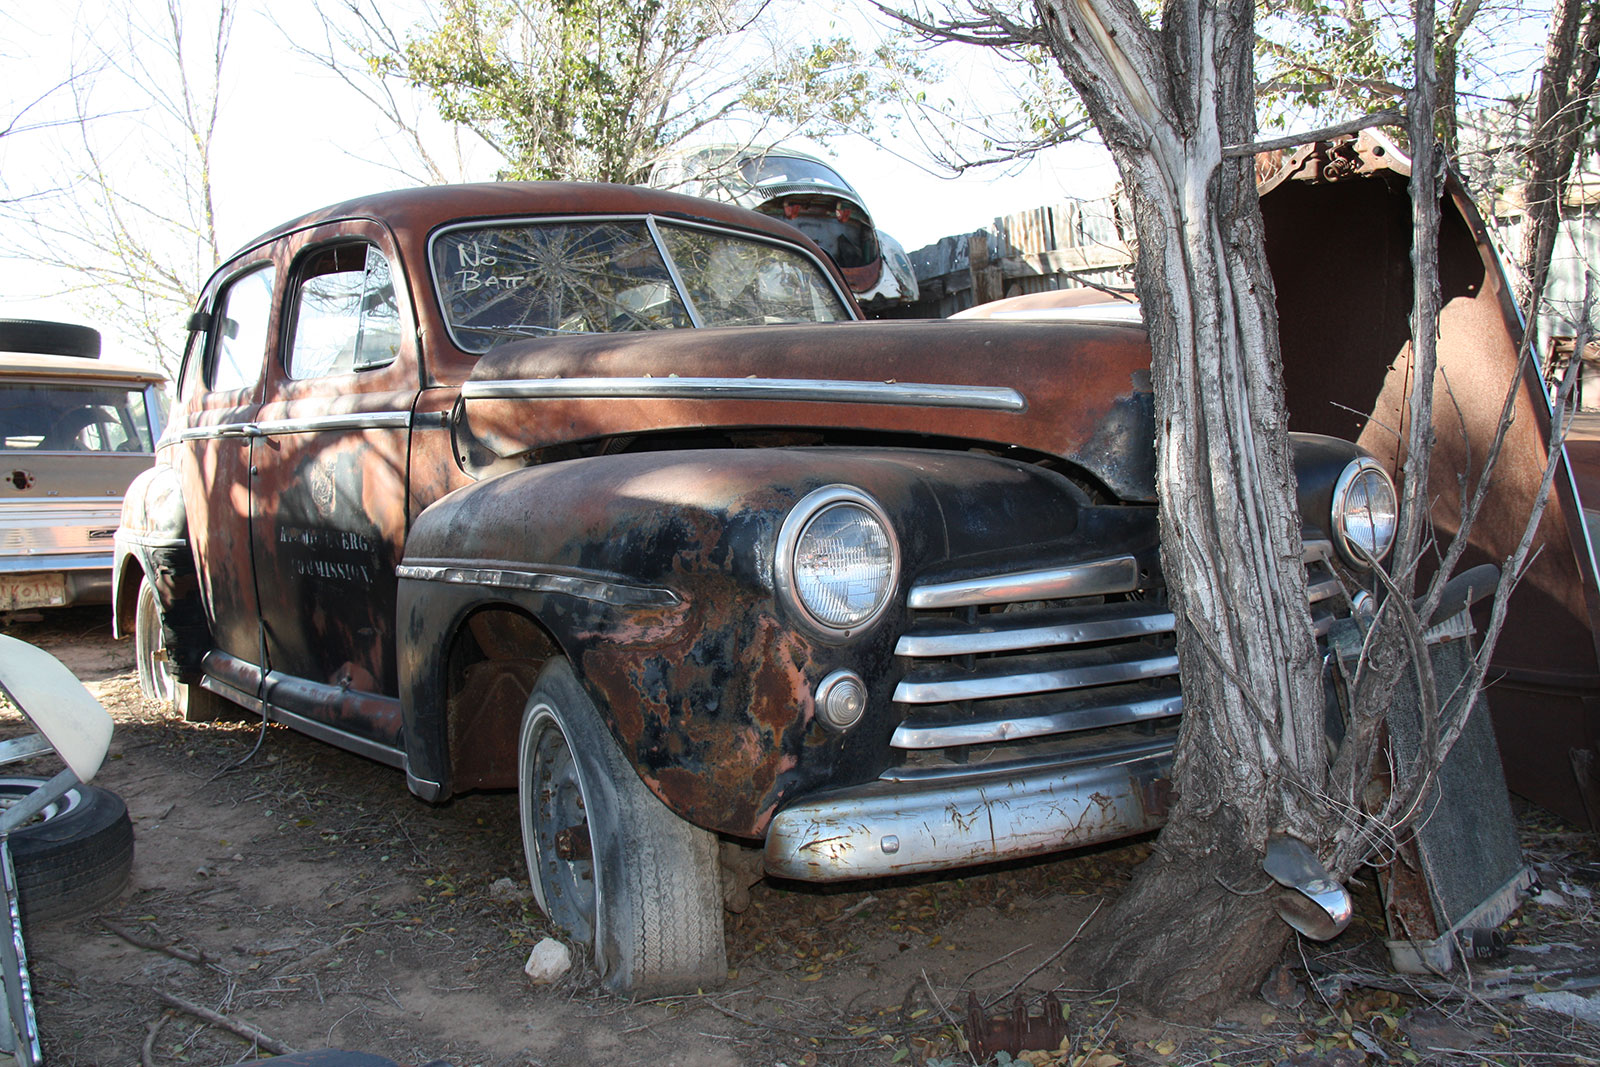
{"x": 1387, "y": 117}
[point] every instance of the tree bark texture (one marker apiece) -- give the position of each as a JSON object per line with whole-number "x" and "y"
{"x": 1566, "y": 93}
{"x": 1191, "y": 933}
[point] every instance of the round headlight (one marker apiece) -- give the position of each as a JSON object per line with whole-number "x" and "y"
{"x": 837, "y": 559}
{"x": 1365, "y": 512}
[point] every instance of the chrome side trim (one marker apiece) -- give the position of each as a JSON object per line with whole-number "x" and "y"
{"x": 392, "y": 757}
{"x": 209, "y": 433}
{"x": 1117, "y": 575}
{"x": 909, "y": 735}
{"x": 1021, "y": 684}
{"x": 907, "y": 394}
{"x": 127, "y": 537}
{"x": 962, "y": 642}
{"x": 370, "y": 420}
{"x": 603, "y": 590}
{"x": 889, "y": 828}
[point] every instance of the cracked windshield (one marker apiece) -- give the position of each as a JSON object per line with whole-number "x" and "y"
{"x": 506, "y": 283}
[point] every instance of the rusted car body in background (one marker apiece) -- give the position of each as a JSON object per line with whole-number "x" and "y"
{"x": 74, "y": 432}
{"x": 1338, "y": 229}
{"x": 810, "y": 195}
{"x": 590, "y": 491}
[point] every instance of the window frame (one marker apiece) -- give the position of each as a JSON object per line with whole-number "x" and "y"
{"x": 218, "y": 302}
{"x": 298, "y": 277}
{"x": 651, "y": 221}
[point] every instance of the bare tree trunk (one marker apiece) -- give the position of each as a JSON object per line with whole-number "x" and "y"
{"x": 1566, "y": 93}
{"x": 1166, "y": 103}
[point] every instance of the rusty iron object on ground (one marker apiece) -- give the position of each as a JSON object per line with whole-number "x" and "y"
{"x": 1019, "y": 1031}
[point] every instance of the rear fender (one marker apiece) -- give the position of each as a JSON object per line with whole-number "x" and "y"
{"x": 152, "y": 542}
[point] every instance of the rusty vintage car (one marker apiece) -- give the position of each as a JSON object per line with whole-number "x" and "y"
{"x": 597, "y": 493}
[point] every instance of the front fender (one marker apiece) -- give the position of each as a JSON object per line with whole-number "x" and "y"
{"x": 653, "y": 573}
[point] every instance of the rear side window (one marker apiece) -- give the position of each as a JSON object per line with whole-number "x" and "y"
{"x": 241, "y": 330}
{"x": 346, "y": 318}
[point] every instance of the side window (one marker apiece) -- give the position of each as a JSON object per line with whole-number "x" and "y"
{"x": 194, "y": 354}
{"x": 241, "y": 330}
{"x": 346, "y": 318}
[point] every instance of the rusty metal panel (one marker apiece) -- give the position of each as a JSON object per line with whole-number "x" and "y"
{"x": 1340, "y": 254}
{"x": 1085, "y": 391}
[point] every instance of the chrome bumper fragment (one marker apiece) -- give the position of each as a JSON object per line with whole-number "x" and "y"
{"x": 941, "y": 823}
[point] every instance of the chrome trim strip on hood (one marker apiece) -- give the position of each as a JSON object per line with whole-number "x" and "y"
{"x": 910, "y": 394}
{"x": 1119, "y": 574}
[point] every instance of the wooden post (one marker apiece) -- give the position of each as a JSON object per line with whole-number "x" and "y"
{"x": 988, "y": 282}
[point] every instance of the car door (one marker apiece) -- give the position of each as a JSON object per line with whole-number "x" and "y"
{"x": 221, "y": 386}
{"x": 328, "y": 509}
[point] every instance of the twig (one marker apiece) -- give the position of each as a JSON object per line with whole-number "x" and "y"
{"x": 1047, "y": 960}
{"x": 147, "y": 1052}
{"x": 979, "y": 970}
{"x": 760, "y": 1024}
{"x": 852, "y": 910}
{"x": 244, "y": 1030}
{"x": 943, "y": 1011}
{"x": 1241, "y": 892}
{"x": 200, "y": 959}
{"x": 314, "y": 957}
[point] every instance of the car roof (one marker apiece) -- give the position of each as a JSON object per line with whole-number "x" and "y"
{"x": 78, "y": 368}
{"x": 417, "y": 211}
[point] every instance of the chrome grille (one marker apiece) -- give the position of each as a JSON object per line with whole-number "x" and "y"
{"x": 1052, "y": 666}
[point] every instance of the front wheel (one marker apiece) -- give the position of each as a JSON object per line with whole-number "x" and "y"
{"x": 609, "y": 863}
{"x": 189, "y": 702}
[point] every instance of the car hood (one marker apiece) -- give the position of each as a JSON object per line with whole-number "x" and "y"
{"x": 1080, "y": 392}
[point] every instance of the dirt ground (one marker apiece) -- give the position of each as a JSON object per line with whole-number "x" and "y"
{"x": 302, "y": 891}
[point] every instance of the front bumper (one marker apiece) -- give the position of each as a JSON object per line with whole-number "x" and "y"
{"x": 945, "y": 821}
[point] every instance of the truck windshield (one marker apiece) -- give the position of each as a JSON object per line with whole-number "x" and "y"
{"x": 509, "y": 281}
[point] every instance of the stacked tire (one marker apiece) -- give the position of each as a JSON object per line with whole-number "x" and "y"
{"x": 73, "y": 858}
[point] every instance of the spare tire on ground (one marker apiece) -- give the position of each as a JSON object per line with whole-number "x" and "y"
{"x": 49, "y": 338}
{"x": 74, "y": 857}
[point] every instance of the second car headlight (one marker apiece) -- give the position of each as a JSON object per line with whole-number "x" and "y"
{"x": 837, "y": 560}
{"x": 1365, "y": 513}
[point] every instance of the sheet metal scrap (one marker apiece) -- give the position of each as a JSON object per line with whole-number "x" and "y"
{"x": 1015, "y": 1032}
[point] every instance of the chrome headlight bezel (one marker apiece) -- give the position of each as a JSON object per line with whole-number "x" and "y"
{"x": 795, "y": 526}
{"x": 1360, "y": 471}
